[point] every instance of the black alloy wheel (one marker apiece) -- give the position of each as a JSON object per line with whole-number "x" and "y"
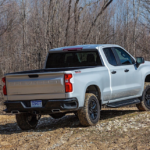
{"x": 144, "y": 105}
{"x": 93, "y": 109}
{"x": 147, "y": 97}
{"x": 89, "y": 114}
{"x": 27, "y": 121}
{"x": 32, "y": 119}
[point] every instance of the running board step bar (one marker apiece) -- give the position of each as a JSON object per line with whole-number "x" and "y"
{"x": 123, "y": 103}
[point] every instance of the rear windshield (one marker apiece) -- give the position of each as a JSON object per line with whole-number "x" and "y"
{"x": 73, "y": 59}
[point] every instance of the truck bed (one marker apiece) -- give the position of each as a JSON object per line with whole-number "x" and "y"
{"x": 38, "y": 84}
{"x": 50, "y": 70}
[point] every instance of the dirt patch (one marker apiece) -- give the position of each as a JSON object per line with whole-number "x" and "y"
{"x": 124, "y": 128}
{"x": 2, "y": 106}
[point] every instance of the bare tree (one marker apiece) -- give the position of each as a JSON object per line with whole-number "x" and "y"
{"x": 68, "y": 20}
{"x": 135, "y": 17}
{"x": 76, "y": 21}
{"x": 29, "y": 28}
{"x": 106, "y": 4}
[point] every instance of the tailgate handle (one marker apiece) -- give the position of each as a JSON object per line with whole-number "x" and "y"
{"x": 33, "y": 76}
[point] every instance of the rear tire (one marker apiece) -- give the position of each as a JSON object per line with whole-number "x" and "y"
{"x": 57, "y": 116}
{"x": 27, "y": 121}
{"x": 145, "y": 99}
{"x": 89, "y": 115}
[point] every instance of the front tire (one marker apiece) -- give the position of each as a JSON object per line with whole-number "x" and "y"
{"x": 27, "y": 121}
{"x": 89, "y": 115}
{"x": 145, "y": 99}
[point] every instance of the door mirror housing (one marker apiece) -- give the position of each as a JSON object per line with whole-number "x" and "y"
{"x": 139, "y": 61}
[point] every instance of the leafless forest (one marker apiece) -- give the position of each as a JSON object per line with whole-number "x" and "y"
{"x": 29, "y": 28}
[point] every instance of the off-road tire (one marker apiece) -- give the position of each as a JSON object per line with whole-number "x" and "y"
{"x": 57, "y": 116}
{"x": 83, "y": 113}
{"x": 24, "y": 124}
{"x": 143, "y": 105}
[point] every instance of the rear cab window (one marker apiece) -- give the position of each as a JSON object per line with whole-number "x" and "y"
{"x": 73, "y": 59}
{"x": 110, "y": 56}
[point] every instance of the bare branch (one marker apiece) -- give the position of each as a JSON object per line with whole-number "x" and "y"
{"x": 95, "y": 20}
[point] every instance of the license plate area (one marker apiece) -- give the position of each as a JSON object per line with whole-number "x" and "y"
{"x": 37, "y": 103}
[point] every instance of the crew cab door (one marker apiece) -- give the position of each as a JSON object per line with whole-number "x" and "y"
{"x": 117, "y": 75}
{"x": 132, "y": 75}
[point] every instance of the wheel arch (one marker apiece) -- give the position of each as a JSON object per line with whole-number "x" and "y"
{"x": 93, "y": 88}
{"x": 147, "y": 78}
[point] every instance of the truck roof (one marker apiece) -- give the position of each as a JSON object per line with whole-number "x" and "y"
{"x": 87, "y": 46}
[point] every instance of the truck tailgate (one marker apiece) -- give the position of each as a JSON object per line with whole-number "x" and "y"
{"x": 35, "y": 84}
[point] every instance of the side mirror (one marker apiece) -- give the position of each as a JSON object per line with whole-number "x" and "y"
{"x": 139, "y": 60}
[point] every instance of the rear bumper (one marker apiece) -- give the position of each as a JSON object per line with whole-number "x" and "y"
{"x": 48, "y": 106}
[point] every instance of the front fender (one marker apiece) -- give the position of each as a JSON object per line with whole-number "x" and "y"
{"x": 145, "y": 70}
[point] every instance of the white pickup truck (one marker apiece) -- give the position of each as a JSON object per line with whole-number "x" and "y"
{"x": 78, "y": 79}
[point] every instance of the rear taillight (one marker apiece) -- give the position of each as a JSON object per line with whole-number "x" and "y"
{"x": 4, "y": 87}
{"x": 68, "y": 84}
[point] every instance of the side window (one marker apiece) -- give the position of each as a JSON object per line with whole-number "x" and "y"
{"x": 124, "y": 57}
{"x": 110, "y": 56}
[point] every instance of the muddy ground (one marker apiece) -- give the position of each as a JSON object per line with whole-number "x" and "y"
{"x": 124, "y": 128}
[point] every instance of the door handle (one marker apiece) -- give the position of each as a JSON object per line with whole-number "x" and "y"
{"x": 113, "y": 72}
{"x": 126, "y": 70}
